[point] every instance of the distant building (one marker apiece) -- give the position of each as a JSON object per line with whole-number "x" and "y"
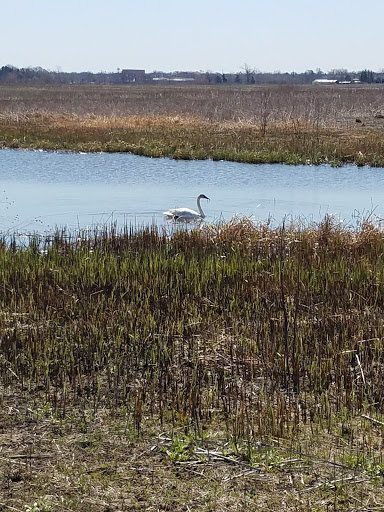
{"x": 327, "y": 81}
{"x": 324, "y": 81}
{"x": 166, "y": 79}
{"x": 132, "y": 76}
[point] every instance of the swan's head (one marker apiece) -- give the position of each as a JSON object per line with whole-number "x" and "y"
{"x": 202, "y": 196}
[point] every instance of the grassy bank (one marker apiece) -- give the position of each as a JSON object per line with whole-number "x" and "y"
{"x": 231, "y": 368}
{"x": 248, "y": 124}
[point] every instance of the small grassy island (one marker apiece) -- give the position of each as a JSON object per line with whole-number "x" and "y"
{"x": 288, "y": 124}
{"x": 234, "y": 367}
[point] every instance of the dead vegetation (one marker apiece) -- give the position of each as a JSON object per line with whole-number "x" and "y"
{"x": 291, "y": 124}
{"x": 236, "y": 367}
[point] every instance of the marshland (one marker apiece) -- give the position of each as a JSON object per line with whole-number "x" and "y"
{"x": 256, "y": 124}
{"x": 236, "y": 365}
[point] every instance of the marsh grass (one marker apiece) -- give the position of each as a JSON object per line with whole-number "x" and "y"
{"x": 261, "y": 124}
{"x": 264, "y": 345}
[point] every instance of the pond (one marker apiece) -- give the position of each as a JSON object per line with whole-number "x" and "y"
{"x": 40, "y": 191}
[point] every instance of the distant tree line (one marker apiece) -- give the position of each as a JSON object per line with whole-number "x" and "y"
{"x": 11, "y": 75}
{"x": 248, "y": 76}
{"x": 368, "y": 76}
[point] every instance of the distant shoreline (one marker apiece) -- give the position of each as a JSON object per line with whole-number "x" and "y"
{"x": 291, "y": 125}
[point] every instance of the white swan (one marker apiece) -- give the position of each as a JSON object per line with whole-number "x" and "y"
{"x": 186, "y": 214}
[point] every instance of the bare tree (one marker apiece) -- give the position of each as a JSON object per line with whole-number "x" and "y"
{"x": 265, "y": 109}
{"x": 249, "y": 74}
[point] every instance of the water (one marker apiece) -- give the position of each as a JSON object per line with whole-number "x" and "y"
{"x": 40, "y": 191}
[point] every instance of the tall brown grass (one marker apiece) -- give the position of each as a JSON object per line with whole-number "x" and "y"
{"x": 317, "y": 106}
{"x": 294, "y": 124}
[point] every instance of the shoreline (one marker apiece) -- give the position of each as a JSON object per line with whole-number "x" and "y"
{"x": 199, "y": 140}
{"x": 106, "y": 152}
{"x": 269, "y": 124}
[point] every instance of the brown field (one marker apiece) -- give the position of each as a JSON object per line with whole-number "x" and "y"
{"x": 291, "y": 124}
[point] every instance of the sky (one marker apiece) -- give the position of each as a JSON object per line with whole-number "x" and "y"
{"x": 194, "y": 35}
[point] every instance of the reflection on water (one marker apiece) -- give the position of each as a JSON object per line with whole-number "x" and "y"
{"x": 42, "y": 190}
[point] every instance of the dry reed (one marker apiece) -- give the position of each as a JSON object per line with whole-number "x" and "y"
{"x": 251, "y": 124}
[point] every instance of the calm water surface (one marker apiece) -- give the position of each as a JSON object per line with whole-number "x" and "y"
{"x": 43, "y": 190}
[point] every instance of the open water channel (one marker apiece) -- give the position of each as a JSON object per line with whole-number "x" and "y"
{"x": 40, "y": 191}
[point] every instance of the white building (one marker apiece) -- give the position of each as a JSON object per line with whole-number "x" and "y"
{"x": 324, "y": 81}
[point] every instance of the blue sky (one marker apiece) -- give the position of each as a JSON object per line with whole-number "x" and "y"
{"x": 216, "y": 35}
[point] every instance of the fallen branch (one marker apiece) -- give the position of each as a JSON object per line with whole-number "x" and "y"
{"x": 218, "y": 456}
{"x": 348, "y": 480}
{"x": 377, "y": 422}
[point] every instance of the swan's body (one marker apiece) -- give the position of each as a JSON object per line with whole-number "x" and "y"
{"x": 186, "y": 214}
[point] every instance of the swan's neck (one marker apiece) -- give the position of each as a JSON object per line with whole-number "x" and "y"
{"x": 201, "y": 213}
